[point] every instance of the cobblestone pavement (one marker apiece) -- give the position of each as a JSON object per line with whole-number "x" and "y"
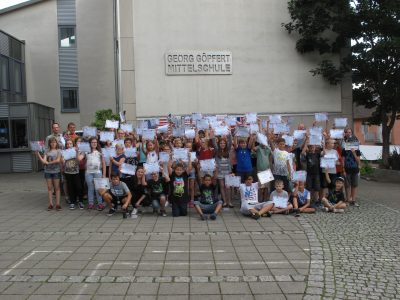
{"x": 84, "y": 254}
{"x": 355, "y": 255}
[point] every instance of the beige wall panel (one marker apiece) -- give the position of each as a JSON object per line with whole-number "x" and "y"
{"x": 130, "y": 109}
{"x": 127, "y": 87}
{"x": 126, "y": 48}
{"x": 95, "y": 57}
{"x": 126, "y": 18}
{"x": 268, "y": 74}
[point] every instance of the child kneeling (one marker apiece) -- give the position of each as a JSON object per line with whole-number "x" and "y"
{"x": 335, "y": 202}
{"x": 208, "y": 203}
{"x": 117, "y": 194}
{"x": 249, "y": 200}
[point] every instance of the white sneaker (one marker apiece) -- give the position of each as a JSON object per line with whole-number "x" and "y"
{"x": 338, "y": 210}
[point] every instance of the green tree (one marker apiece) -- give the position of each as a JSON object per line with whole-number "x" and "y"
{"x": 357, "y": 37}
{"x": 102, "y": 115}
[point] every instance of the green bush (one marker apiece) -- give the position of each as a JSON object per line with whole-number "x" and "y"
{"x": 366, "y": 168}
{"x": 102, "y": 115}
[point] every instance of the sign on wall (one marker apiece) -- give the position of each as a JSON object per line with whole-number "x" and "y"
{"x": 198, "y": 62}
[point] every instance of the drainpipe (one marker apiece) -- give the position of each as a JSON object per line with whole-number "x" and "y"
{"x": 116, "y": 56}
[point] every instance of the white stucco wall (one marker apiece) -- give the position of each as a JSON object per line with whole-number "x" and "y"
{"x": 268, "y": 74}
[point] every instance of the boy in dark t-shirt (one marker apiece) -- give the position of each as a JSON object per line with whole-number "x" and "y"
{"x": 335, "y": 201}
{"x": 207, "y": 203}
{"x": 157, "y": 187}
{"x": 179, "y": 194}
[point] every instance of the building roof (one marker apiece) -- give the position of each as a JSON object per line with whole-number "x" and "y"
{"x": 19, "y": 6}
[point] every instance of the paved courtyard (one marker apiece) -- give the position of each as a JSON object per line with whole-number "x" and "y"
{"x": 84, "y": 254}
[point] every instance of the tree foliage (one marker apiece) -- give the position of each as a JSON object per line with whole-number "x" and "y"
{"x": 102, "y": 115}
{"x": 365, "y": 36}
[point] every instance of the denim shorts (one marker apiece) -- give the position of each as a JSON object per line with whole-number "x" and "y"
{"x": 208, "y": 208}
{"x": 52, "y": 175}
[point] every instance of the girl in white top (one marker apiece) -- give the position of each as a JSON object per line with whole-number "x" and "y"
{"x": 95, "y": 168}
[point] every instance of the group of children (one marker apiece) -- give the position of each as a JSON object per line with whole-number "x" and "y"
{"x": 186, "y": 183}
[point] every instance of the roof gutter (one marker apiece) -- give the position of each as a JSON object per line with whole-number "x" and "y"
{"x": 116, "y": 57}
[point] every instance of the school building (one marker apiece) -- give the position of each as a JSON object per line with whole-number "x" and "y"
{"x": 155, "y": 57}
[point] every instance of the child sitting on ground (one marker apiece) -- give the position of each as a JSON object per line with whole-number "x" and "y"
{"x": 302, "y": 200}
{"x": 335, "y": 202}
{"x": 208, "y": 203}
{"x": 249, "y": 198}
{"x": 117, "y": 194}
{"x": 280, "y": 199}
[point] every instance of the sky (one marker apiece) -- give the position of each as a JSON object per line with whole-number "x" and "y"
{"x": 7, "y": 3}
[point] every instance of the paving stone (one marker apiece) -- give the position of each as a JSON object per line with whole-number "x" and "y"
{"x": 57, "y": 278}
{"x": 125, "y": 279}
{"x": 75, "y": 279}
{"x": 143, "y": 289}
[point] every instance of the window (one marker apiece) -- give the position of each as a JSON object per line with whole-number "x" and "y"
{"x": 4, "y": 134}
{"x": 4, "y": 73}
{"x": 67, "y": 37}
{"x": 17, "y": 77}
{"x": 15, "y": 49}
{"x": 19, "y": 133}
{"x": 69, "y": 100}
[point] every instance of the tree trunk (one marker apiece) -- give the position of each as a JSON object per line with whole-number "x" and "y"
{"x": 385, "y": 144}
{"x": 387, "y": 127}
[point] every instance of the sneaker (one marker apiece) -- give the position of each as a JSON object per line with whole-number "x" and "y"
{"x": 203, "y": 217}
{"x": 111, "y": 212}
{"x": 163, "y": 213}
{"x": 134, "y": 211}
{"x": 81, "y": 206}
{"x": 326, "y": 209}
{"x": 213, "y": 216}
{"x": 58, "y": 207}
{"x": 354, "y": 203}
{"x": 338, "y": 210}
{"x": 155, "y": 211}
{"x": 100, "y": 207}
{"x": 255, "y": 216}
{"x": 72, "y": 206}
{"x": 124, "y": 214}
{"x": 90, "y": 206}
{"x": 50, "y": 207}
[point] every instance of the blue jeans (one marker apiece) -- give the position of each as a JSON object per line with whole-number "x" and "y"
{"x": 91, "y": 190}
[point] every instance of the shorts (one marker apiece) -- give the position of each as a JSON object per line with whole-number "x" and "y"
{"x": 244, "y": 209}
{"x": 208, "y": 208}
{"x": 116, "y": 200}
{"x": 155, "y": 203}
{"x": 313, "y": 182}
{"x": 331, "y": 185}
{"x": 52, "y": 175}
{"x": 351, "y": 180}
